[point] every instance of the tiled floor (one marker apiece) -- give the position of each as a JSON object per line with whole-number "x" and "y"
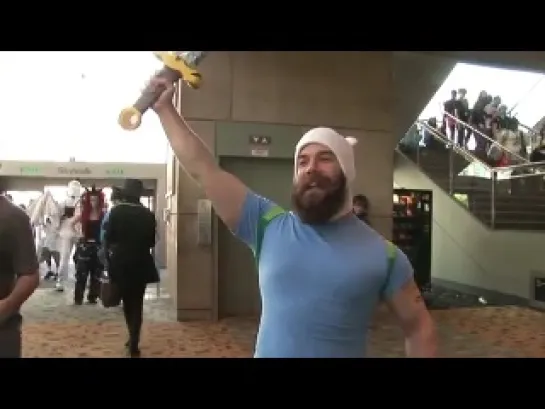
{"x": 55, "y": 328}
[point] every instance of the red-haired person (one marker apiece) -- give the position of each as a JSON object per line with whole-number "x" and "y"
{"x": 86, "y": 257}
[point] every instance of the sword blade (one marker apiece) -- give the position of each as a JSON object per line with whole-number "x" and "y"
{"x": 191, "y": 58}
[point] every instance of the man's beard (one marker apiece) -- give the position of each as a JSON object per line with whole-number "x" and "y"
{"x": 317, "y": 205}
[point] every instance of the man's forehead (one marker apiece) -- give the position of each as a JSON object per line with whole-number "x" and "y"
{"x": 313, "y": 149}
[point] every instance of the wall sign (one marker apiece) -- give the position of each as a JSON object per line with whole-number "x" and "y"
{"x": 260, "y": 140}
{"x": 115, "y": 172}
{"x": 29, "y": 170}
{"x": 73, "y": 171}
{"x": 260, "y": 152}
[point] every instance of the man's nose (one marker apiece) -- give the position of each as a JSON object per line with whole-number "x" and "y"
{"x": 311, "y": 167}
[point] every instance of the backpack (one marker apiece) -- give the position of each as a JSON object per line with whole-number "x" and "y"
{"x": 276, "y": 211}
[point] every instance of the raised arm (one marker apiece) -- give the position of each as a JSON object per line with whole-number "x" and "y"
{"x": 225, "y": 191}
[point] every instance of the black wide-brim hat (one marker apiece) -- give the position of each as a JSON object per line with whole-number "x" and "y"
{"x": 133, "y": 188}
{"x": 117, "y": 193}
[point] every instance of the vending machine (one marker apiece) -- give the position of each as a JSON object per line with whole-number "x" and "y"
{"x": 412, "y": 227}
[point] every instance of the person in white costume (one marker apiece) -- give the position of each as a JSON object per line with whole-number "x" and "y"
{"x": 49, "y": 249}
{"x": 44, "y": 207}
{"x": 68, "y": 235}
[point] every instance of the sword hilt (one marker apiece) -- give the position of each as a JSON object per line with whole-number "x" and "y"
{"x": 177, "y": 66}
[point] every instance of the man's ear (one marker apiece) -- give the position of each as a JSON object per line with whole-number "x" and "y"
{"x": 351, "y": 140}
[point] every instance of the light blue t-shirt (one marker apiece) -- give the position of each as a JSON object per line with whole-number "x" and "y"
{"x": 103, "y": 225}
{"x": 319, "y": 284}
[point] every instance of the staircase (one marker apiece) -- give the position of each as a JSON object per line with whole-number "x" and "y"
{"x": 435, "y": 164}
{"x": 513, "y": 212}
{"x": 508, "y": 204}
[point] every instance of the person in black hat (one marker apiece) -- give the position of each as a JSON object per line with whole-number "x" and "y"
{"x": 130, "y": 234}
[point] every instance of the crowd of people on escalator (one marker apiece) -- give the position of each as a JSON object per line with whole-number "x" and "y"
{"x": 495, "y": 132}
{"x": 488, "y": 120}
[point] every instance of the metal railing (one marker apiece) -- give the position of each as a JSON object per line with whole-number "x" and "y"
{"x": 491, "y": 141}
{"x": 494, "y": 186}
{"x": 534, "y": 137}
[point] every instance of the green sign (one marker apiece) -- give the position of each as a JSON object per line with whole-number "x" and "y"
{"x": 30, "y": 170}
{"x": 115, "y": 172}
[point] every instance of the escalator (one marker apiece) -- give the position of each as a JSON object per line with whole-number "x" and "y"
{"x": 502, "y": 198}
{"x": 488, "y": 223}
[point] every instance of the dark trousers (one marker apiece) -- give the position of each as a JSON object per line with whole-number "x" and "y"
{"x": 48, "y": 255}
{"x": 88, "y": 267}
{"x": 11, "y": 338}
{"x": 481, "y": 143}
{"x": 463, "y": 133}
{"x": 132, "y": 295}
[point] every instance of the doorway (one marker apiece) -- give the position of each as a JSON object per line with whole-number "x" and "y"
{"x": 148, "y": 199}
{"x": 238, "y": 291}
{"x": 23, "y": 199}
{"x": 58, "y": 192}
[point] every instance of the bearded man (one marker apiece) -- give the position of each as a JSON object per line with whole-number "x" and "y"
{"x": 322, "y": 271}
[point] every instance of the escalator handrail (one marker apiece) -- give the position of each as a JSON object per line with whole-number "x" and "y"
{"x": 533, "y": 133}
{"x": 491, "y": 140}
{"x": 460, "y": 151}
{"x": 464, "y": 152}
{"x": 528, "y": 129}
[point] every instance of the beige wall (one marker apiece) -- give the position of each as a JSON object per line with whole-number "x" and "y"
{"x": 350, "y": 91}
{"x": 417, "y": 77}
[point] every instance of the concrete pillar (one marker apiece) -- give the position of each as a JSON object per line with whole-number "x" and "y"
{"x": 349, "y": 91}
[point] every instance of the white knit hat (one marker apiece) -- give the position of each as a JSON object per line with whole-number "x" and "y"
{"x": 342, "y": 148}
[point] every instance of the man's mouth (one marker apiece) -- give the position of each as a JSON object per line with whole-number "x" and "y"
{"x": 312, "y": 186}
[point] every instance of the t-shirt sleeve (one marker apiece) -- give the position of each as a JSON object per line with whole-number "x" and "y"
{"x": 402, "y": 272}
{"x": 24, "y": 257}
{"x": 110, "y": 232}
{"x": 254, "y": 207}
{"x": 103, "y": 225}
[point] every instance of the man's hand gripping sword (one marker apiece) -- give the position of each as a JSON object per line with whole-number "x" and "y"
{"x": 177, "y": 65}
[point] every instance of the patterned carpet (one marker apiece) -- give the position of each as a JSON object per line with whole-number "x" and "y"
{"x": 55, "y": 328}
